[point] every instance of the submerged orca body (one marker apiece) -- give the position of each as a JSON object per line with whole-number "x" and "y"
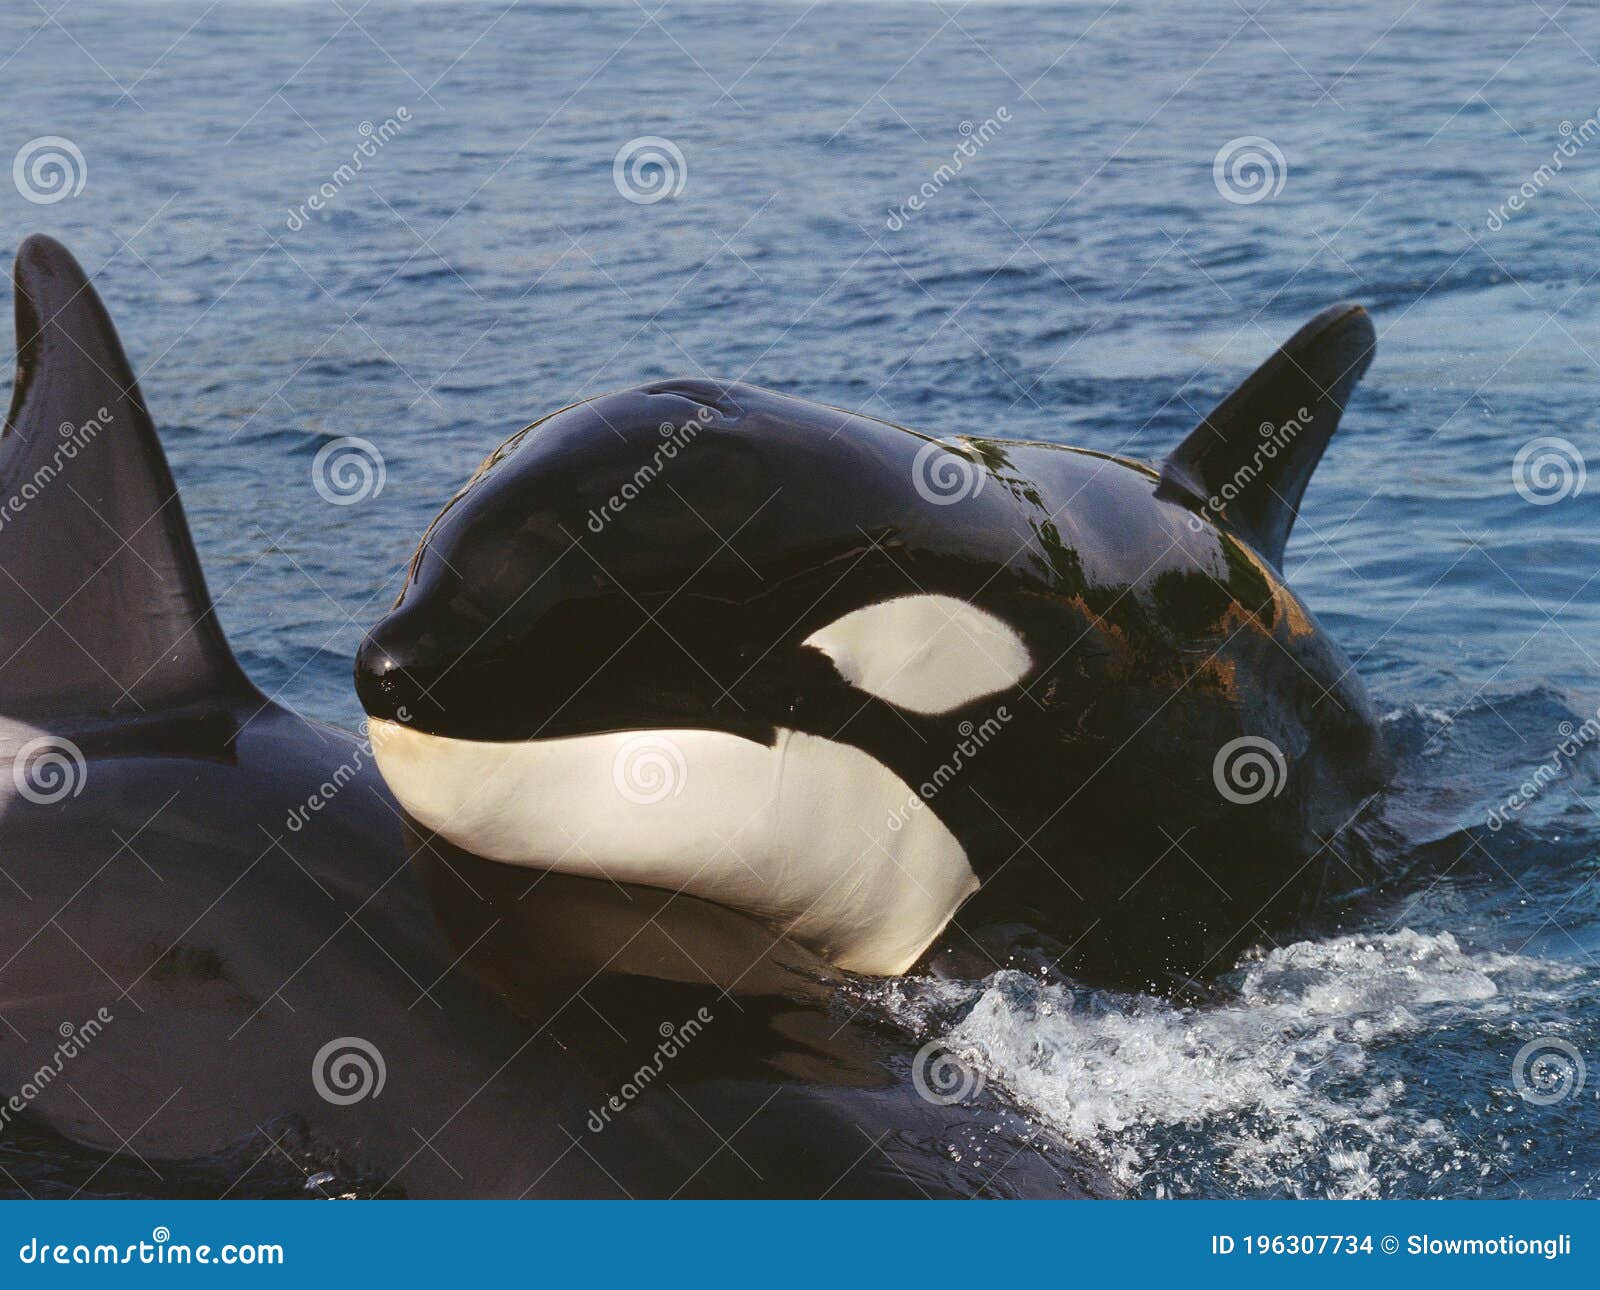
{"x": 893, "y": 695}
{"x": 187, "y": 977}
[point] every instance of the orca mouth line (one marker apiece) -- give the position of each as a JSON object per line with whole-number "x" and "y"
{"x": 926, "y": 654}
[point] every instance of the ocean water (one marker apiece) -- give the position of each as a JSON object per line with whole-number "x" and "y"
{"x": 1096, "y": 273}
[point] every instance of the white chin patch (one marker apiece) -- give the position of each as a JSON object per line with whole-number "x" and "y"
{"x": 929, "y": 654}
{"x": 816, "y": 838}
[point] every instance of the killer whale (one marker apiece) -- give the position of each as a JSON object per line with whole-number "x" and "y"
{"x": 889, "y": 693}
{"x": 183, "y": 978}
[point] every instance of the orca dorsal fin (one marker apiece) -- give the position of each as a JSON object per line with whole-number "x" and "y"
{"x": 104, "y": 614}
{"x": 1247, "y": 463}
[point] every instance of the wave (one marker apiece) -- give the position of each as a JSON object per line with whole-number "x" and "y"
{"x": 1288, "y": 1088}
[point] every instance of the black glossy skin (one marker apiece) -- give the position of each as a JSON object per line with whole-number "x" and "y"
{"x": 166, "y": 884}
{"x": 1156, "y": 636}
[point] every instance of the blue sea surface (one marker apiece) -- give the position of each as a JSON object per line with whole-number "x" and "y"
{"x": 1148, "y": 198}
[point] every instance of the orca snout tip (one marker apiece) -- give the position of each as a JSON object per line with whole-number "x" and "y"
{"x": 373, "y": 658}
{"x": 390, "y": 686}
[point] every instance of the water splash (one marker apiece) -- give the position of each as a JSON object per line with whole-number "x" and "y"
{"x": 1298, "y": 1084}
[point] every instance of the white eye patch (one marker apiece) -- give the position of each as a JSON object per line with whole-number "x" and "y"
{"x": 928, "y": 654}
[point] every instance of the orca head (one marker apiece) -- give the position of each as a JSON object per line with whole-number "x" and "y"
{"x": 701, "y": 636}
